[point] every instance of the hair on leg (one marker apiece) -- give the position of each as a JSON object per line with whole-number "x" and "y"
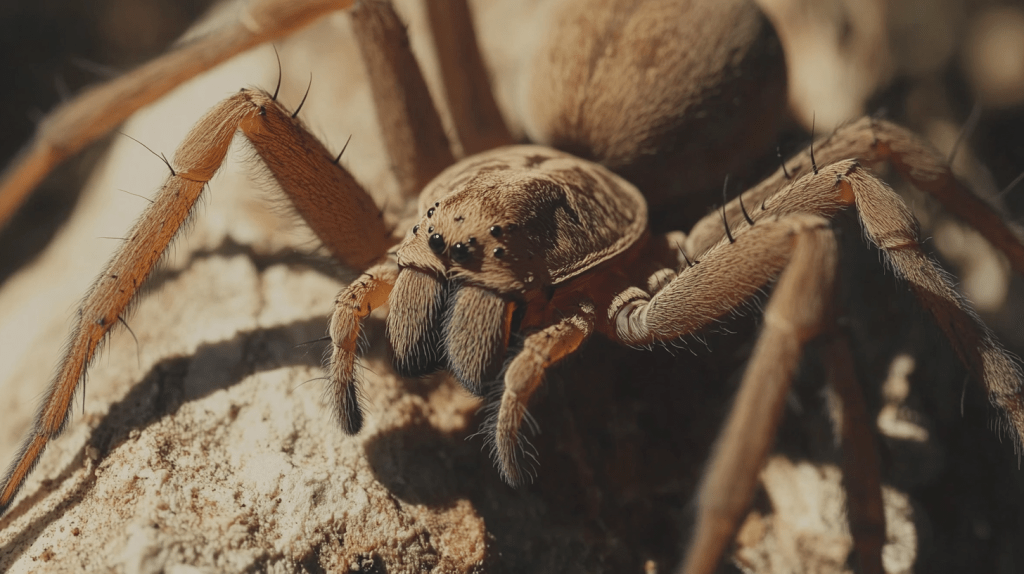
{"x": 522, "y": 377}
{"x": 798, "y": 310}
{"x": 872, "y": 141}
{"x": 368, "y": 292}
{"x": 308, "y": 177}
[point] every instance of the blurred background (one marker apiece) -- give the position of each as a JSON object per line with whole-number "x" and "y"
{"x": 49, "y": 51}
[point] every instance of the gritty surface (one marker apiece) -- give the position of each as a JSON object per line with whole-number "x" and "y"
{"x": 203, "y": 444}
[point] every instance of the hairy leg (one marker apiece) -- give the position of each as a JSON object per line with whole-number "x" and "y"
{"x": 478, "y": 122}
{"x": 798, "y": 310}
{"x": 873, "y": 141}
{"x": 361, "y": 297}
{"x": 73, "y": 125}
{"x": 862, "y": 477}
{"x": 524, "y": 374}
{"x": 888, "y": 224}
{"x": 412, "y": 128}
{"x": 339, "y": 211}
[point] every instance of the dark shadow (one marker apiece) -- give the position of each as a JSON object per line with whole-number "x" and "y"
{"x": 623, "y": 436}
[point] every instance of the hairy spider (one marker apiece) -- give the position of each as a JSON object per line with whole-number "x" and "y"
{"x": 507, "y": 261}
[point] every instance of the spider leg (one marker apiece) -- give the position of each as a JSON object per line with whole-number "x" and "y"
{"x": 337, "y": 209}
{"x": 889, "y": 224}
{"x": 861, "y": 470}
{"x": 95, "y": 112}
{"x": 475, "y": 115}
{"x": 874, "y": 141}
{"x": 735, "y": 274}
{"x": 412, "y": 128}
{"x": 729, "y": 274}
{"x": 798, "y": 310}
{"x": 522, "y": 377}
{"x": 355, "y": 302}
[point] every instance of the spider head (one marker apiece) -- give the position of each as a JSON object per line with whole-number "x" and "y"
{"x": 498, "y": 232}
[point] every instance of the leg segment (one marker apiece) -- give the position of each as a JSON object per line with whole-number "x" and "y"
{"x": 888, "y": 224}
{"x": 362, "y": 296}
{"x": 338, "y": 210}
{"x": 73, "y": 125}
{"x": 798, "y": 310}
{"x": 413, "y": 133}
{"x": 478, "y": 122}
{"x": 872, "y": 142}
{"x": 861, "y": 473}
{"x": 727, "y": 275}
{"x": 523, "y": 376}
{"x": 325, "y": 194}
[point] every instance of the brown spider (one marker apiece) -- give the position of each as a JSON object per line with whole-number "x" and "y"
{"x": 533, "y": 243}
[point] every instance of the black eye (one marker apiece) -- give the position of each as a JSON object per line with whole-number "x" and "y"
{"x": 430, "y": 229}
{"x": 436, "y": 243}
{"x": 459, "y": 252}
{"x": 430, "y": 212}
{"x": 496, "y": 230}
{"x": 499, "y": 252}
{"x": 415, "y": 228}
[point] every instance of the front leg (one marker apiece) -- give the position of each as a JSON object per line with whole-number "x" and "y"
{"x": 338, "y": 210}
{"x": 353, "y": 304}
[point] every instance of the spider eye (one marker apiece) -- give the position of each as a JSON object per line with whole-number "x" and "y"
{"x": 499, "y": 252}
{"x": 430, "y": 212}
{"x": 436, "y": 243}
{"x": 496, "y": 230}
{"x": 415, "y": 229}
{"x": 460, "y": 252}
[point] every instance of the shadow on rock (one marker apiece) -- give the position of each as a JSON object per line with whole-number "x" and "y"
{"x": 623, "y": 436}
{"x": 159, "y": 393}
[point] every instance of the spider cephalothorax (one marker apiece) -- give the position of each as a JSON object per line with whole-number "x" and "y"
{"x": 507, "y": 261}
{"x": 509, "y": 228}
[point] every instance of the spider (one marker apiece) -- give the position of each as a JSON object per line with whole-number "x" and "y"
{"x": 460, "y": 303}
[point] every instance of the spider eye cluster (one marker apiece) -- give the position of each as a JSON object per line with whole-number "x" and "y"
{"x": 459, "y": 251}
